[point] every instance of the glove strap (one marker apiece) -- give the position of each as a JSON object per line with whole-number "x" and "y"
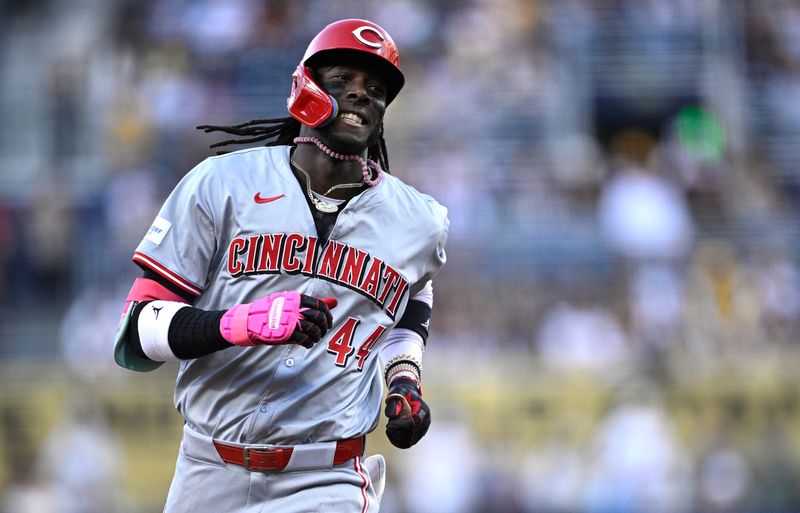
{"x": 238, "y": 324}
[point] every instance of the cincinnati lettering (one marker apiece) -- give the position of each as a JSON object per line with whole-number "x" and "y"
{"x": 293, "y": 253}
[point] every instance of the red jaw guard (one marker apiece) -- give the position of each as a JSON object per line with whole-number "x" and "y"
{"x": 309, "y": 103}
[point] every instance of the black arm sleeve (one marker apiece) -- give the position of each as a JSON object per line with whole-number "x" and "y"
{"x": 192, "y": 333}
{"x": 417, "y": 317}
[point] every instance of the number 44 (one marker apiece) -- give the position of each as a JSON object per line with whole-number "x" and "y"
{"x": 341, "y": 343}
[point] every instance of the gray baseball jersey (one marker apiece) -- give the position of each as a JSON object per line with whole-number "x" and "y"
{"x": 236, "y": 228}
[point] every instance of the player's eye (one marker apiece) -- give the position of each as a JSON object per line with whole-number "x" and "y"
{"x": 377, "y": 89}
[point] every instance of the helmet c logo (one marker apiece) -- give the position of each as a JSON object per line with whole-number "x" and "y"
{"x": 357, "y": 32}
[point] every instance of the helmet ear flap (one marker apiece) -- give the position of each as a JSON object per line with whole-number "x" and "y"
{"x": 308, "y": 103}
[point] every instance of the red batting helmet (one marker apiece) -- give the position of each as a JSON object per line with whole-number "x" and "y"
{"x": 341, "y": 42}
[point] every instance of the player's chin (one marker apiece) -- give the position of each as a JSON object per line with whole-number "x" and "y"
{"x": 352, "y": 142}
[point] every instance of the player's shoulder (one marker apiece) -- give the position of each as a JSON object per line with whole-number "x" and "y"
{"x": 246, "y": 158}
{"x": 408, "y": 197}
{"x": 217, "y": 169}
{"x": 403, "y": 191}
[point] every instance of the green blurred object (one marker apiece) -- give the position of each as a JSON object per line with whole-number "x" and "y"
{"x": 701, "y": 134}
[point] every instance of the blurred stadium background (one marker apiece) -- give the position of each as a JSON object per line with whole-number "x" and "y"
{"x": 616, "y": 330}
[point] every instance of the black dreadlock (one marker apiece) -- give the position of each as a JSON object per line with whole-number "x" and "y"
{"x": 281, "y": 132}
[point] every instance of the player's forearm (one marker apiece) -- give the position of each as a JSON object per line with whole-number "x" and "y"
{"x": 401, "y": 352}
{"x": 401, "y": 355}
{"x": 167, "y": 331}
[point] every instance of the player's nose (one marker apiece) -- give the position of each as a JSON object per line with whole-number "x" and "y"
{"x": 357, "y": 89}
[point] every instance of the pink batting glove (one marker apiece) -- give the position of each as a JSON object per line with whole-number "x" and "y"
{"x": 269, "y": 320}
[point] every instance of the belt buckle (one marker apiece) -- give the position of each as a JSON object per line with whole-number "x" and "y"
{"x": 272, "y": 453}
{"x": 246, "y": 457}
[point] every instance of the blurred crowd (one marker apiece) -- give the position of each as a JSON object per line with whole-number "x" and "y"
{"x": 621, "y": 177}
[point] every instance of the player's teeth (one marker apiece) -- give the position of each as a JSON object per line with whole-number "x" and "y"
{"x": 352, "y": 117}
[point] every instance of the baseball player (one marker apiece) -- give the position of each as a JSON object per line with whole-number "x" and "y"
{"x": 291, "y": 282}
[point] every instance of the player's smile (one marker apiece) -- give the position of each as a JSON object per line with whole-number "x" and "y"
{"x": 356, "y": 123}
{"x": 351, "y": 118}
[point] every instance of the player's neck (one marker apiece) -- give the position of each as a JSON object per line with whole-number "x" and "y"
{"x": 326, "y": 171}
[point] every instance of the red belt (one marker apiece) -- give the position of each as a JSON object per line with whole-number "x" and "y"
{"x": 276, "y": 458}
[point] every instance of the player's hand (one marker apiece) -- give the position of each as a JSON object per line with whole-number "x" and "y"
{"x": 280, "y": 318}
{"x": 409, "y": 416}
{"x": 315, "y": 321}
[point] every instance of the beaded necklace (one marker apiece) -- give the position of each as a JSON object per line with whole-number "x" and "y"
{"x": 366, "y": 174}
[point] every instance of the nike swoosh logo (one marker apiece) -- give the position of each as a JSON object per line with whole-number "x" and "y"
{"x": 259, "y": 199}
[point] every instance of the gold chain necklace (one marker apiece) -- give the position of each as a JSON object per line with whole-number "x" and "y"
{"x": 322, "y": 205}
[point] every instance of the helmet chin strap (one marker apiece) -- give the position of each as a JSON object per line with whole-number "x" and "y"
{"x": 366, "y": 173}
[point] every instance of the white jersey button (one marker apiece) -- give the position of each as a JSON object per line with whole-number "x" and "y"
{"x": 289, "y": 362}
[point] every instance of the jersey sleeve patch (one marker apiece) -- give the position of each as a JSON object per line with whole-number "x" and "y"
{"x": 158, "y": 230}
